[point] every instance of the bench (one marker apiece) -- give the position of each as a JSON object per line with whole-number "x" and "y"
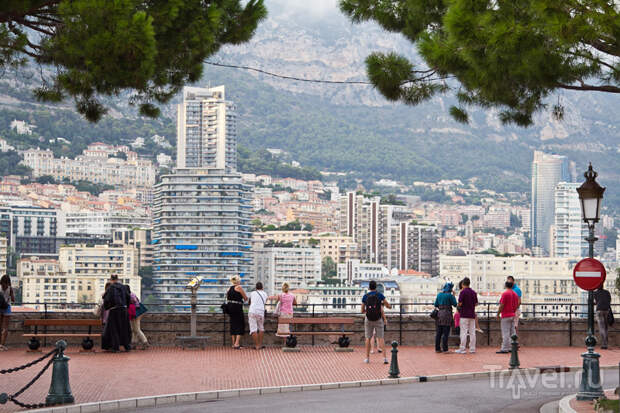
{"x": 87, "y": 342}
{"x": 343, "y": 341}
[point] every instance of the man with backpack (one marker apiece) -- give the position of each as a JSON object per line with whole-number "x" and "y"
{"x": 372, "y": 306}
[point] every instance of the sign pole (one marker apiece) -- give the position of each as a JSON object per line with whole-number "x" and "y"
{"x": 590, "y": 386}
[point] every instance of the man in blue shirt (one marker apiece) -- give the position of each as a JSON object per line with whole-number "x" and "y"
{"x": 517, "y": 290}
{"x": 372, "y": 306}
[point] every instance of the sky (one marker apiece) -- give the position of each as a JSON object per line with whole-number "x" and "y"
{"x": 314, "y": 7}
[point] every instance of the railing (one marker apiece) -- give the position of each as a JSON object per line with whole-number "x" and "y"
{"x": 398, "y": 316}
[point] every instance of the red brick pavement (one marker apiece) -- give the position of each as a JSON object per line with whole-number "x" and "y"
{"x": 164, "y": 370}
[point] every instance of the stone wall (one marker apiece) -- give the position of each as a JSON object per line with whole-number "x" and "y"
{"x": 162, "y": 328}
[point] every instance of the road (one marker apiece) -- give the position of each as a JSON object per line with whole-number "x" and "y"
{"x": 525, "y": 393}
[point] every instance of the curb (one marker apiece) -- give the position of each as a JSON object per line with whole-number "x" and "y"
{"x": 564, "y": 406}
{"x": 212, "y": 395}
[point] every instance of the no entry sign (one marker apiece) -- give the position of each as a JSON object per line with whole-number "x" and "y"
{"x": 589, "y": 274}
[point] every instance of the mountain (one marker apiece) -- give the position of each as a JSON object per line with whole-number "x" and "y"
{"x": 348, "y": 128}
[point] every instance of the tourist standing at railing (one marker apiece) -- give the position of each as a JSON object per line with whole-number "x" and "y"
{"x": 137, "y": 336}
{"x": 372, "y": 307}
{"x": 284, "y": 309}
{"x": 444, "y": 302}
{"x": 116, "y": 331}
{"x": 235, "y": 298}
{"x": 517, "y": 290}
{"x": 508, "y": 305}
{"x": 5, "y": 315}
{"x": 256, "y": 315}
{"x": 468, "y": 300}
{"x": 602, "y": 299}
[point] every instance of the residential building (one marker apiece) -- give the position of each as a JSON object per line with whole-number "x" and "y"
{"x": 201, "y": 228}
{"x": 41, "y": 281}
{"x": 339, "y": 248}
{"x": 3, "y": 254}
{"x": 355, "y": 270}
{"x": 569, "y": 230}
{"x": 90, "y": 267}
{"x": 301, "y": 238}
{"x": 140, "y": 238}
{"x": 417, "y": 248}
{"x": 347, "y": 298}
{"x": 206, "y": 130}
{"x": 104, "y": 222}
{"x": 98, "y": 163}
{"x": 33, "y": 230}
{"x": 297, "y": 266}
{"x": 547, "y": 171}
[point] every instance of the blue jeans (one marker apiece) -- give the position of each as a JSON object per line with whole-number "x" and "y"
{"x": 442, "y": 338}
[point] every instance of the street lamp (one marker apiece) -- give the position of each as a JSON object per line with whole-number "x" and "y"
{"x": 590, "y": 195}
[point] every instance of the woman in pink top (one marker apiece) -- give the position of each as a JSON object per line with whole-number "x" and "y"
{"x": 287, "y": 301}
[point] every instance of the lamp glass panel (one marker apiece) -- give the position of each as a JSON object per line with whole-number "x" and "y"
{"x": 590, "y": 209}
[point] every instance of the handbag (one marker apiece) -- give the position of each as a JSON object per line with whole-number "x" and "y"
{"x": 141, "y": 309}
{"x": 610, "y": 318}
{"x": 276, "y": 312}
{"x": 96, "y": 311}
{"x": 434, "y": 314}
{"x": 224, "y": 308}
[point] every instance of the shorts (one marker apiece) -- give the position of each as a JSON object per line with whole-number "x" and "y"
{"x": 256, "y": 322}
{"x": 377, "y": 326}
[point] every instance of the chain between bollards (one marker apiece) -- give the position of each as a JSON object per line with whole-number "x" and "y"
{"x": 514, "y": 353}
{"x": 394, "y": 371}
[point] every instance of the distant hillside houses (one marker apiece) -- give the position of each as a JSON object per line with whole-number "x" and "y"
{"x": 99, "y": 163}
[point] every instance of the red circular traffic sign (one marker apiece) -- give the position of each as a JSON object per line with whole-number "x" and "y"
{"x": 589, "y": 274}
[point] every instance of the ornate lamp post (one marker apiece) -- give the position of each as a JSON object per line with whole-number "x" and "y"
{"x": 590, "y": 195}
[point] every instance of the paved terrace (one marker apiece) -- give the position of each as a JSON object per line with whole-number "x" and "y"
{"x": 164, "y": 370}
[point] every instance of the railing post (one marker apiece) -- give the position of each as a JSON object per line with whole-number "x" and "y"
{"x": 488, "y": 324}
{"x": 313, "y": 305}
{"x": 534, "y": 310}
{"x": 44, "y": 327}
{"x": 400, "y": 323}
{"x": 570, "y": 325}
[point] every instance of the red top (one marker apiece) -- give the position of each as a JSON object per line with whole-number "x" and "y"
{"x": 510, "y": 299}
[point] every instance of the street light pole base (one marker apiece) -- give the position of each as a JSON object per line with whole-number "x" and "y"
{"x": 590, "y": 387}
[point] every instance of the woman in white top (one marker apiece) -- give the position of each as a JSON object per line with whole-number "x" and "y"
{"x": 9, "y": 296}
{"x": 256, "y": 315}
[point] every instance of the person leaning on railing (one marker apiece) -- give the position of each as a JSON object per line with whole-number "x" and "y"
{"x": 235, "y": 298}
{"x": 284, "y": 309}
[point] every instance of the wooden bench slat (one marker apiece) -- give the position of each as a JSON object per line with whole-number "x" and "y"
{"x": 63, "y": 335}
{"x": 322, "y": 333}
{"x": 324, "y": 320}
{"x": 62, "y": 322}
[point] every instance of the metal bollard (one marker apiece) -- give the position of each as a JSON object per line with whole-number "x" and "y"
{"x": 394, "y": 371}
{"x": 60, "y": 390}
{"x": 514, "y": 353}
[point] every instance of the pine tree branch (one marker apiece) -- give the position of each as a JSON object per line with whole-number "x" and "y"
{"x": 583, "y": 86}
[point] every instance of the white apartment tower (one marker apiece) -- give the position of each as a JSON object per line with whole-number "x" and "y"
{"x": 547, "y": 171}
{"x": 206, "y": 130}
{"x": 570, "y": 230}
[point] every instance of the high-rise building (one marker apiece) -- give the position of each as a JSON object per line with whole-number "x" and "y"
{"x": 202, "y": 211}
{"x": 206, "y": 130}
{"x": 297, "y": 266}
{"x": 417, "y": 248}
{"x": 570, "y": 230}
{"x": 547, "y": 171}
{"x": 3, "y": 254}
{"x": 201, "y": 228}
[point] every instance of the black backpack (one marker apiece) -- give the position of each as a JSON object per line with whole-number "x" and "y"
{"x": 373, "y": 307}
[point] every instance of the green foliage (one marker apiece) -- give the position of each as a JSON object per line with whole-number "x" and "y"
{"x": 105, "y": 48}
{"x": 329, "y": 269}
{"x": 9, "y": 164}
{"x": 505, "y": 54}
{"x": 261, "y": 162}
{"x": 390, "y": 200}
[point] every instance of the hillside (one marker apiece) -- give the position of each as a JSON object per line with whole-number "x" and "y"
{"x": 344, "y": 127}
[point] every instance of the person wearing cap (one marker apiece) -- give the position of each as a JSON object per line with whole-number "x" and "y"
{"x": 444, "y": 302}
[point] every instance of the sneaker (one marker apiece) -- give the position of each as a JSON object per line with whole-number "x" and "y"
{"x": 385, "y": 361}
{"x": 502, "y": 352}
{"x": 366, "y": 361}
{"x": 379, "y": 351}
{"x": 472, "y": 351}
{"x": 460, "y": 351}
{"x": 372, "y": 352}
{"x": 479, "y": 330}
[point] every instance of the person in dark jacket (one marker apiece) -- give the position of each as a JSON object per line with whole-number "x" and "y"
{"x": 117, "y": 331}
{"x": 602, "y": 299}
{"x": 444, "y": 302}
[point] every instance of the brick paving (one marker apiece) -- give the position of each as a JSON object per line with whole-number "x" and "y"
{"x": 162, "y": 370}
